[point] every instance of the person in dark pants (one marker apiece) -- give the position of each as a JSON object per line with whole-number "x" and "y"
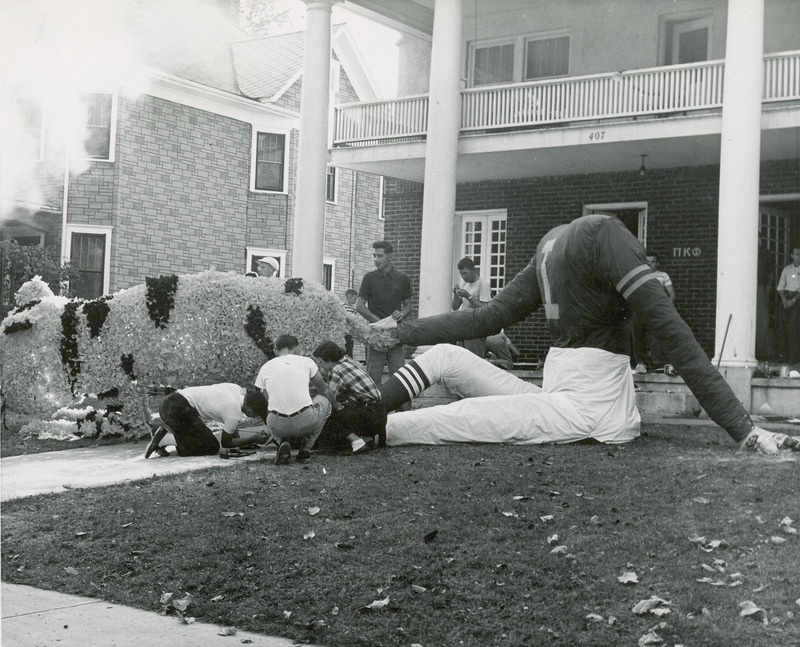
{"x": 789, "y": 291}
{"x": 184, "y": 411}
{"x": 360, "y": 411}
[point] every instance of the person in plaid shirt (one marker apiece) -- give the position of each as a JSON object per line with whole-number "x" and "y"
{"x": 361, "y": 412}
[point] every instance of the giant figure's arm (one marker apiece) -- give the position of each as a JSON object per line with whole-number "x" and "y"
{"x": 515, "y": 302}
{"x": 620, "y": 257}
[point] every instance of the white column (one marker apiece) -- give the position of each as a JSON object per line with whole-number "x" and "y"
{"x": 309, "y": 215}
{"x": 740, "y": 157}
{"x": 441, "y": 156}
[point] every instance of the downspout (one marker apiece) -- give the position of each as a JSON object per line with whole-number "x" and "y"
{"x": 64, "y": 203}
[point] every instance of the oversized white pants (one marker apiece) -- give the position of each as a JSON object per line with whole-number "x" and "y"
{"x": 586, "y": 393}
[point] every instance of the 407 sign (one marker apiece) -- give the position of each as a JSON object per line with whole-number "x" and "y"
{"x": 686, "y": 252}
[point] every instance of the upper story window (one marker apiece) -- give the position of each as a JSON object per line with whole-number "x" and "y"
{"x": 330, "y": 184}
{"x": 524, "y": 58}
{"x": 686, "y": 39}
{"x": 97, "y": 120}
{"x": 270, "y": 162}
{"x": 30, "y": 139}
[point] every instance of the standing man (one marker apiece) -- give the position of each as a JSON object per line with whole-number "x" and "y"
{"x": 645, "y": 351}
{"x": 384, "y": 292}
{"x": 267, "y": 266}
{"x": 472, "y": 292}
{"x": 292, "y": 412}
{"x": 789, "y": 289}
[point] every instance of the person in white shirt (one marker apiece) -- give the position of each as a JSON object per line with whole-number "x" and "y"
{"x": 473, "y": 291}
{"x": 292, "y": 412}
{"x": 789, "y": 290}
{"x": 185, "y": 411}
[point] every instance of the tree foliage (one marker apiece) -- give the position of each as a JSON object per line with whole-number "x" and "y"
{"x": 266, "y": 17}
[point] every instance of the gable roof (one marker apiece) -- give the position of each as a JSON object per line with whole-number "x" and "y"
{"x": 267, "y": 67}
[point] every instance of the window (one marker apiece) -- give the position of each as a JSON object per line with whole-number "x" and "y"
{"x": 546, "y": 57}
{"x": 632, "y": 214}
{"x": 254, "y": 253}
{"x": 331, "y": 188}
{"x": 687, "y": 39}
{"x": 520, "y": 59}
{"x": 328, "y": 271}
{"x": 89, "y": 248}
{"x": 494, "y": 65}
{"x": 30, "y": 139}
{"x": 97, "y": 121}
{"x": 269, "y": 163}
{"x": 483, "y": 239}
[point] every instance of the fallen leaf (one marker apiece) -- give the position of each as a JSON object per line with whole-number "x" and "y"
{"x": 593, "y": 617}
{"x": 310, "y": 535}
{"x": 548, "y": 518}
{"x": 342, "y": 546}
{"x": 430, "y": 536}
{"x": 706, "y": 567}
{"x": 660, "y": 611}
{"x": 188, "y": 621}
{"x": 559, "y": 550}
{"x": 335, "y": 611}
{"x": 81, "y": 534}
{"x": 71, "y": 570}
{"x": 217, "y": 598}
{"x": 232, "y": 514}
{"x": 375, "y": 605}
{"x": 184, "y": 603}
{"x": 227, "y": 631}
{"x": 287, "y": 615}
{"x": 127, "y": 525}
{"x": 510, "y": 514}
{"x": 313, "y": 511}
{"x": 628, "y": 578}
{"x": 166, "y": 598}
{"x": 418, "y": 589}
{"x": 595, "y": 520}
{"x": 246, "y": 641}
{"x": 701, "y": 499}
{"x": 552, "y": 539}
{"x": 778, "y": 540}
{"x": 645, "y": 606}
{"x": 650, "y": 638}
{"x": 750, "y": 610}
{"x": 708, "y": 580}
{"x": 521, "y": 497}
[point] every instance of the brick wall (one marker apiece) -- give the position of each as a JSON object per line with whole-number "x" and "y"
{"x": 681, "y": 227}
{"x": 182, "y": 183}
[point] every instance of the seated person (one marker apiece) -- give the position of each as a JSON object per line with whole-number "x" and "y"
{"x": 589, "y": 275}
{"x": 359, "y": 411}
{"x": 500, "y": 351}
{"x": 184, "y": 411}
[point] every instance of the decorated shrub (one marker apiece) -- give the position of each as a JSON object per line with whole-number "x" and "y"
{"x": 172, "y": 331}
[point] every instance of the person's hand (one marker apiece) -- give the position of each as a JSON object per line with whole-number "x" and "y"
{"x": 397, "y": 315}
{"x": 769, "y": 442}
{"x": 260, "y": 438}
{"x": 463, "y": 294}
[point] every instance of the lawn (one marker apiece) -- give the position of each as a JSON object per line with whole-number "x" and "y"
{"x": 460, "y": 545}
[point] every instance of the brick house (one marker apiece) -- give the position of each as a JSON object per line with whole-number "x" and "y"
{"x": 183, "y": 146}
{"x": 516, "y": 116}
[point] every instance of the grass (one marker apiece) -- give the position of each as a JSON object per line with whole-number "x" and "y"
{"x": 457, "y": 538}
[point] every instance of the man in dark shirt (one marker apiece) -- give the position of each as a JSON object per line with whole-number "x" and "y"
{"x": 589, "y": 275}
{"x": 384, "y": 292}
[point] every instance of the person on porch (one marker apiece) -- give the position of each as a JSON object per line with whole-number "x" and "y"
{"x": 789, "y": 290}
{"x": 589, "y": 275}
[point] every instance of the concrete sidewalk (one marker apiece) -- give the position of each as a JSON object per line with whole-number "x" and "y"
{"x": 36, "y": 618}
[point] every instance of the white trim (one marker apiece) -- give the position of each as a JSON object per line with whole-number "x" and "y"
{"x": 381, "y": 215}
{"x": 668, "y": 21}
{"x": 287, "y": 137}
{"x": 112, "y": 131}
{"x": 332, "y": 263}
{"x": 292, "y": 80}
{"x": 257, "y": 252}
{"x": 486, "y": 216}
{"x": 74, "y": 228}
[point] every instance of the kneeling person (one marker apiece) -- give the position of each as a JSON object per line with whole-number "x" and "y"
{"x": 184, "y": 411}
{"x": 358, "y": 410}
{"x": 292, "y": 412}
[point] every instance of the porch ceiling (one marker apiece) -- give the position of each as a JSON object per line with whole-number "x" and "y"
{"x": 668, "y": 143}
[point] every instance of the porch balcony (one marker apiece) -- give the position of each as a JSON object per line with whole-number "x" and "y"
{"x": 623, "y": 103}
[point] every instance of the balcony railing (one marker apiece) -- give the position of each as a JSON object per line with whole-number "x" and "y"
{"x": 655, "y": 91}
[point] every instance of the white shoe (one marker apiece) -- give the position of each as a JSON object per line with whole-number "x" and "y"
{"x": 358, "y": 446}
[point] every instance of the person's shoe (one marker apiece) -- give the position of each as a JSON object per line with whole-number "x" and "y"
{"x": 303, "y": 455}
{"x": 359, "y": 446}
{"x": 284, "y": 454}
{"x": 154, "y": 441}
{"x": 640, "y": 369}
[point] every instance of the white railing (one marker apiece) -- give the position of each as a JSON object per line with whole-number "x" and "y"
{"x": 381, "y": 120}
{"x": 782, "y": 76}
{"x": 654, "y": 91}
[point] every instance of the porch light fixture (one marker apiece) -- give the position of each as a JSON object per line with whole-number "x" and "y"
{"x": 642, "y": 168}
